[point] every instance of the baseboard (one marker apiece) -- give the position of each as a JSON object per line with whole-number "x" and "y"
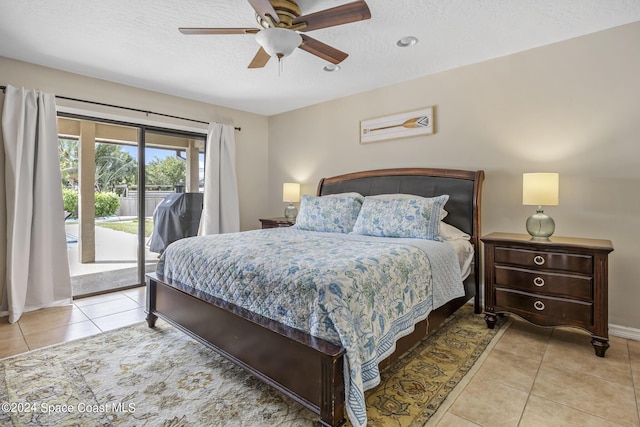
{"x": 614, "y": 330}
{"x": 624, "y": 332}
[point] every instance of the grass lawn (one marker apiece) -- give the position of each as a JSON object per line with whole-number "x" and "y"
{"x": 128, "y": 226}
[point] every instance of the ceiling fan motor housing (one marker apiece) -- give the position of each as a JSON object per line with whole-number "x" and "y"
{"x": 287, "y": 11}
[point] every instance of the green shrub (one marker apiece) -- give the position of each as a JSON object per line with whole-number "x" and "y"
{"x": 70, "y": 200}
{"x": 107, "y": 204}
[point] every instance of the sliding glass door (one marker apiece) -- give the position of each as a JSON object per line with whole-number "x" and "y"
{"x": 115, "y": 176}
{"x": 173, "y": 176}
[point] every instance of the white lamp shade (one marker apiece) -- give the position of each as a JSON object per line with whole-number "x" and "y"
{"x": 278, "y": 42}
{"x": 291, "y": 192}
{"x": 540, "y": 189}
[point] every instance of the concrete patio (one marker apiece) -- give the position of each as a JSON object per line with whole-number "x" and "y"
{"x": 115, "y": 263}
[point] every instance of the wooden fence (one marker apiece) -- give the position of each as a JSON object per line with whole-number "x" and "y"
{"x": 129, "y": 204}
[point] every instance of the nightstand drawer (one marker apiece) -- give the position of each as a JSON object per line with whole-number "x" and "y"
{"x": 277, "y": 222}
{"x": 276, "y": 225}
{"x": 548, "y": 311}
{"x": 545, "y": 260}
{"x": 558, "y": 284}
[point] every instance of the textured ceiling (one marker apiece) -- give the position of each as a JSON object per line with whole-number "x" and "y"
{"x": 137, "y": 43}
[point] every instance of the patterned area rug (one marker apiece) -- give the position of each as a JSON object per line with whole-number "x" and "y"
{"x": 160, "y": 377}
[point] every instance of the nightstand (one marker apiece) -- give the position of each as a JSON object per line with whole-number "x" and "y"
{"x": 561, "y": 282}
{"x": 277, "y": 222}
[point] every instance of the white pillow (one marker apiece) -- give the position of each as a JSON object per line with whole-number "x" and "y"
{"x": 449, "y": 232}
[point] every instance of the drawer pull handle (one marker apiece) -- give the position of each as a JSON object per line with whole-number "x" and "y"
{"x": 538, "y": 260}
{"x": 538, "y": 281}
{"x": 538, "y": 305}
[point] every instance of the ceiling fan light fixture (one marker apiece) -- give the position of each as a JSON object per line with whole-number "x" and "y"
{"x": 407, "y": 41}
{"x": 279, "y": 42}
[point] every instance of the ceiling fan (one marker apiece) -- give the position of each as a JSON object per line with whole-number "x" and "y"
{"x": 281, "y": 21}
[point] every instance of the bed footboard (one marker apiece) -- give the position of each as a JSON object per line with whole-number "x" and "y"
{"x": 307, "y": 369}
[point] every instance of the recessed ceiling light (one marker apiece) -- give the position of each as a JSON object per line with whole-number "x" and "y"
{"x": 330, "y": 68}
{"x": 407, "y": 41}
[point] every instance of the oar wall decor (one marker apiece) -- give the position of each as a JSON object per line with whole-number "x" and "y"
{"x": 397, "y": 126}
{"x": 416, "y": 122}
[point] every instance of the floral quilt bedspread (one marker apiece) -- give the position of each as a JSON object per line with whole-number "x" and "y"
{"x": 360, "y": 292}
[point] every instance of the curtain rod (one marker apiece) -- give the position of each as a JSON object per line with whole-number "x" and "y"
{"x": 4, "y": 89}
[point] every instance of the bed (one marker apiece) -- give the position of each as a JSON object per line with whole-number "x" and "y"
{"x": 314, "y": 371}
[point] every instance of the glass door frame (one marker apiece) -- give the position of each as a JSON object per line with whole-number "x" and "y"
{"x": 143, "y": 129}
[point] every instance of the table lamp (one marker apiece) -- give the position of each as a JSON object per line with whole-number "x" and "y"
{"x": 540, "y": 189}
{"x": 290, "y": 194}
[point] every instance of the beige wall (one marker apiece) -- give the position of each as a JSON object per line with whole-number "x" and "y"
{"x": 571, "y": 107}
{"x": 251, "y": 142}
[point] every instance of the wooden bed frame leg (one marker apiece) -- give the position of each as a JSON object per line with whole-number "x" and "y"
{"x": 151, "y": 302}
{"x": 151, "y": 320}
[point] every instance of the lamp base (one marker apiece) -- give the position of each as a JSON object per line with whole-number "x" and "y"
{"x": 290, "y": 212}
{"x": 540, "y": 226}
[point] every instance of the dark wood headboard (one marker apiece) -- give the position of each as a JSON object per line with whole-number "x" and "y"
{"x": 463, "y": 187}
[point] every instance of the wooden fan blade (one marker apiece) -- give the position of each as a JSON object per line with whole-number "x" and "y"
{"x": 322, "y": 50}
{"x": 350, "y": 12}
{"x": 260, "y": 60}
{"x": 219, "y": 30}
{"x": 264, "y": 8}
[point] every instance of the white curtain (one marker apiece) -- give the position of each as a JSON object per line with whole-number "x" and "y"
{"x": 221, "y": 212}
{"x": 37, "y": 267}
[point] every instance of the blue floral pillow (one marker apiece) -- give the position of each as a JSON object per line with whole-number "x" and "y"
{"x": 443, "y": 213}
{"x": 333, "y": 214}
{"x": 401, "y": 217}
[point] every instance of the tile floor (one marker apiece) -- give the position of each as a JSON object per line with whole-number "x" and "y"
{"x": 87, "y": 316}
{"x": 548, "y": 377}
{"x": 529, "y": 377}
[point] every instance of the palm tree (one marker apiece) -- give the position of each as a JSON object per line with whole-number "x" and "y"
{"x": 68, "y": 152}
{"x": 114, "y": 166}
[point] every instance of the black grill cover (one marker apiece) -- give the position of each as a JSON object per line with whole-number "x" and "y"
{"x": 178, "y": 216}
